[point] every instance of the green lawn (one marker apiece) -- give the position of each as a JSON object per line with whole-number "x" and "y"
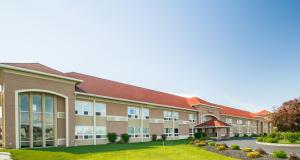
{"x": 174, "y": 150}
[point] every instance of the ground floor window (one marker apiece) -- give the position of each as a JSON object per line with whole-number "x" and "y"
{"x": 100, "y": 131}
{"x": 134, "y": 132}
{"x": 176, "y": 132}
{"x": 84, "y": 132}
{"x": 169, "y": 131}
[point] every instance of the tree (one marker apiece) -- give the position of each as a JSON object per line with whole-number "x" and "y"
{"x": 287, "y": 116}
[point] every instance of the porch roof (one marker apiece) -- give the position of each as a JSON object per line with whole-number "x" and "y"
{"x": 213, "y": 123}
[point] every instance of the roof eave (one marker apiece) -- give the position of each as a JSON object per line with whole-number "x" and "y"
{"x": 133, "y": 101}
{"x": 40, "y": 73}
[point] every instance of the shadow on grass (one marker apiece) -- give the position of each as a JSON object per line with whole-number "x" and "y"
{"x": 110, "y": 147}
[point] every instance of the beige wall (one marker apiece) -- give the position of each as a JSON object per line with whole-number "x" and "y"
{"x": 15, "y": 82}
{"x": 205, "y": 110}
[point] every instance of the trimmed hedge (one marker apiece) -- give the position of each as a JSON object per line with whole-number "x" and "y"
{"x": 112, "y": 137}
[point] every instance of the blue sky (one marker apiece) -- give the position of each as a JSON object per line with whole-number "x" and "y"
{"x": 242, "y": 53}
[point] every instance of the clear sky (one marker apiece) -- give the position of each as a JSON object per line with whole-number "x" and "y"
{"x": 241, "y": 53}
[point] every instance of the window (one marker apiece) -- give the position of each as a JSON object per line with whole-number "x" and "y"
{"x": 133, "y": 112}
{"x": 169, "y": 131}
{"x": 239, "y": 121}
{"x": 192, "y": 117}
{"x": 203, "y": 119}
{"x": 100, "y": 131}
{"x": 176, "y": 132}
{"x": 146, "y": 132}
{"x": 229, "y": 120}
{"x": 175, "y": 116}
{"x": 24, "y": 120}
{"x": 191, "y": 132}
{"x": 134, "y": 132}
{"x": 84, "y": 132}
{"x": 167, "y": 115}
{"x": 84, "y": 108}
{"x": 145, "y": 113}
{"x": 248, "y": 123}
{"x": 37, "y": 120}
{"x": 100, "y": 109}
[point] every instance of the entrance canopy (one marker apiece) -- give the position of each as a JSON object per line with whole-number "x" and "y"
{"x": 213, "y": 123}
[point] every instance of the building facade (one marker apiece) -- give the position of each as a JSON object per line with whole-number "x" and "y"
{"x": 43, "y": 107}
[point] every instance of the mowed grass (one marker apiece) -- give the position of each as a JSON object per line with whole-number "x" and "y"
{"x": 173, "y": 150}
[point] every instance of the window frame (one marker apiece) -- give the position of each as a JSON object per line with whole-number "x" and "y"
{"x": 192, "y": 117}
{"x": 80, "y": 110}
{"x": 103, "y": 110}
{"x": 167, "y": 115}
{"x": 135, "y": 115}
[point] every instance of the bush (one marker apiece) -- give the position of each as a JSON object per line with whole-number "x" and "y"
{"x": 190, "y": 139}
{"x": 253, "y": 154}
{"x": 236, "y": 135}
{"x": 235, "y": 147}
{"x": 221, "y": 148}
{"x": 260, "y": 139}
{"x": 254, "y": 135}
{"x": 293, "y": 156}
{"x": 153, "y": 137}
{"x": 245, "y": 135}
{"x": 199, "y": 135}
{"x": 112, "y": 137}
{"x": 279, "y": 154}
{"x": 121, "y": 141}
{"x": 125, "y": 137}
{"x": 163, "y": 137}
{"x": 271, "y": 140}
{"x": 247, "y": 149}
{"x": 261, "y": 151}
{"x": 200, "y": 143}
{"x": 212, "y": 143}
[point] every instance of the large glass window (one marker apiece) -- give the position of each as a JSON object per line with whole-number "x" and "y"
{"x": 84, "y": 108}
{"x": 100, "y": 109}
{"x": 169, "y": 131}
{"x": 49, "y": 120}
{"x": 37, "y": 120}
{"x": 146, "y": 132}
{"x": 24, "y": 120}
{"x": 134, "y": 132}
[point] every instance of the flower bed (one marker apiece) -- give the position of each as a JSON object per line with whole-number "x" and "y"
{"x": 281, "y": 138}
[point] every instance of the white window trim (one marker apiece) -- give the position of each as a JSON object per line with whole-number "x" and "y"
{"x": 167, "y": 116}
{"x": 82, "y": 108}
{"x": 136, "y": 115}
{"x": 102, "y": 114}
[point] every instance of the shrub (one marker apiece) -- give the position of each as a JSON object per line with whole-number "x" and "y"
{"x": 121, "y": 141}
{"x": 247, "y": 149}
{"x": 293, "y": 156}
{"x": 199, "y": 135}
{"x": 221, "y": 148}
{"x": 261, "y": 151}
{"x": 164, "y": 137}
{"x": 153, "y": 137}
{"x": 112, "y": 137}
{"x": 245, "y": 135}
{"x": 212, "y": 143}
{"x": 260, "y": 139}
{"x": 235, "y": 147}
{"x": 236, "y": 135}
{"x": 254, "y": 135}
{"x": 190, "y": 139}
{"x": 271, "y": 140}
{"x": 279, "y": 154}
{"x": 200, "y": 143}
{"x": 125, "y": 137}
{"x": 253, "y": 154}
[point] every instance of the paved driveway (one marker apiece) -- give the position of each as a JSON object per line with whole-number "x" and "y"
{"x": 251, "y": 143}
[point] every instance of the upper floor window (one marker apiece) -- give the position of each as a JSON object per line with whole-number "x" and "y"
{"x": 175, "y": 116}
{"x": 84, "y": 108}
{"x": 239, "y": 121}
{"x": 100, "y": 109}
{"x": 167, "y": 115}
{"x": 145, "y": 112}
{"x": 133, "y": 112}
{"x": 248, "y": 123}
{"x": 229, "y": 120}
{"x": 192, "y": 117}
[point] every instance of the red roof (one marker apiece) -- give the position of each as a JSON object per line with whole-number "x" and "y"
{"x": 212, "y": 123}
{"x": 36, "y": 67}
{"x": 103, "y": 87}
{"x": 262, "y": 113}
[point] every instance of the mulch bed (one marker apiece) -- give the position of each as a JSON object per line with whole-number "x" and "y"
{"x": 238, "y": 154}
